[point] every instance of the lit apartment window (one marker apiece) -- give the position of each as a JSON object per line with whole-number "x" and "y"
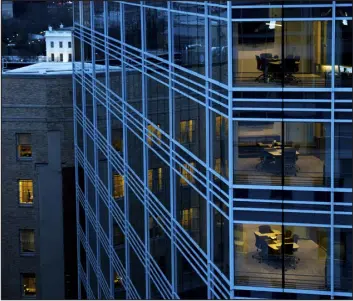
{"x": 118, "y": 186}
{"x": 26, "y": 191}
{"x": 155, "y": 179}
{"x": 52, "y": 44}
{"x": 69, "y": 44}
{"x": 27, "y": 241}
{"x": 52, "y": 57}
{"x": 61, "y": 44}
{"x": 187, "y": 172}
{"x": 187, "y": 131}
{"x": 28, "y": 285}
{"x": 221, "y": 127}
{"x": 61, "y": 57}
{"x": 70, "y": 57}
{"x": 24, "y": 146}
{"x": 154, "y": 134}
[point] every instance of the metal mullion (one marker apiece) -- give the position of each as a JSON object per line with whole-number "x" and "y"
{"x": 230, "y": 145}
{"x": 84, "y": 138}
{"x": 125, "y": 151}
{"x": 332, "y": 144}
{"x": 95, "y": 152}
{"x": 145, "y": 152}
{"x": 209, "y": 226}
{"x": 108, "y": 149}
{"x": 172, "y": 179}
{"x": 74, "y": 95}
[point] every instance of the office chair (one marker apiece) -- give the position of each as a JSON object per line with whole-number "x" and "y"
{"x": 265, "y": 229}
{"x": 295, "y": 240}
{"x": 260, "y": 66}
{"x": 297, "y": 147}
{"x": 266, "y": 55}
{"x": 290, "y": 56}
{"x": 259, "y": 244}
{"x": 290, "y": 67}
{"x": 290, "y": 160}
{"x": 289, "y": 258}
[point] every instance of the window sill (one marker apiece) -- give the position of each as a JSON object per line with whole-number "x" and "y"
{"x": 25, "y": 204}
{"x": 27, "y": 254}
{"x": 25, "y": 159}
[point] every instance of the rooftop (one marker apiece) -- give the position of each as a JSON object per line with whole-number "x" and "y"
{"x": 54, "y": 68}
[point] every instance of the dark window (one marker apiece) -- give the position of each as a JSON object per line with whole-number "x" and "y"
{"x": 61, "y": 57}
{"x": 52, "y": 57}
{"x": 69, "y": 44}
{"x": 61, "y": 44}
{"x": 52, "y": 44}
{"x": 70, "y": 57}
{"x": 27, "y": 241}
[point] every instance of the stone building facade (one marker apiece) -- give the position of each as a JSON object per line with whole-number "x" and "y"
{"x": 37, "y": 147}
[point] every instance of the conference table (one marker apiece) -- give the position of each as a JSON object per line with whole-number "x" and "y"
{"x": 277, "y": 152}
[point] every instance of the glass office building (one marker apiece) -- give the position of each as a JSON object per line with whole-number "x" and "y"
{"x": 213, "y": 147}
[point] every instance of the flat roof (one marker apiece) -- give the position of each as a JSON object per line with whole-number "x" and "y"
{"x": 54, "y": 68}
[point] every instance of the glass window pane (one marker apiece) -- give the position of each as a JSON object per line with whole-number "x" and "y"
{"x": 25, "y": 191}
{"x": 27, "y": 241}
{"x": 29, "y": 288}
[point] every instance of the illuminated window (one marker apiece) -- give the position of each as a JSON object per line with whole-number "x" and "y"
{"x": 24, "y": 146}
{"x": 160, "y": 179}
{"x": 190, "y": 219}
{"x": 28, "y": 285}
{"x": 187, "y": 131}
{"x": 154, "y": 135}
{"x": 27, "y": 241}
{"x": 150, "y": 179}
{"x": 118, "y": 186}
{"x": 155, "y": 179}
{"x": 221, "y": 127}
{"x": 187, "y": 172}
{"x": 218, "y": 167}
{"x": 26, "y": 191}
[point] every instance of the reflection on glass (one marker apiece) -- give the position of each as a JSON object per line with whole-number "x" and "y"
{"x": 299, "y": 156}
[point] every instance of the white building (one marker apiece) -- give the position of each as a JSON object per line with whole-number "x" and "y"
{"x": 7, "y": 9}
{"x": 59, "y": 44}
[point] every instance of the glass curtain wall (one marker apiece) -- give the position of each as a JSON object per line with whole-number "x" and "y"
{"x": 291, "y": 216}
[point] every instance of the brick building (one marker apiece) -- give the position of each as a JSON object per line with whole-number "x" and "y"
{"x": 38, "y": 208}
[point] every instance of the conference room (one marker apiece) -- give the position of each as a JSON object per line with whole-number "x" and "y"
{"x": 291, "y": 257}
{"x": 290, "y": 53}
{"x": 276, "y": 153}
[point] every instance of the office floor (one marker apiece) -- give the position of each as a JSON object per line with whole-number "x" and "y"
{"x": 310, "y": 173}
{"x": 306, "y": 80}
{"x": 308, "y": 274}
